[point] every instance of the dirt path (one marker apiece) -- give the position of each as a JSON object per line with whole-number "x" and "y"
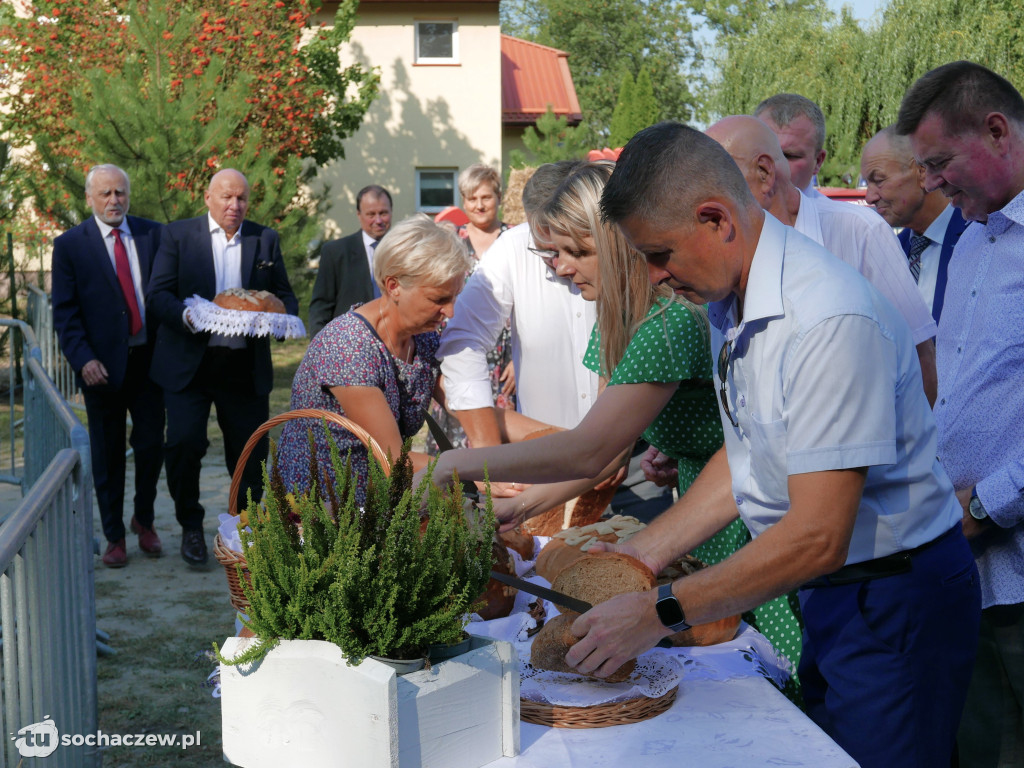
{"x": 160, "y": 614}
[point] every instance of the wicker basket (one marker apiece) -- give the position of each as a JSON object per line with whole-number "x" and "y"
{"x": 599, "y": 716}
{"x": 234, "y": 562}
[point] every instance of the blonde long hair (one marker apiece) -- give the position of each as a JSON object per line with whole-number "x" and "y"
{"x": 626, "y": 294}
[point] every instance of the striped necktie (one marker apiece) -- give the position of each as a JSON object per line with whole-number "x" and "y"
{"x": 917, "y": 245}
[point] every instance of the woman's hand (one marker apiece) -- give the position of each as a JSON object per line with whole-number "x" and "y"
{"x": 659, "y": 468}
{"x": 510, "y": 513}
{"x": 508, "y": 379}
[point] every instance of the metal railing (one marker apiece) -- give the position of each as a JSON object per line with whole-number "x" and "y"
{"x": 47, "y": 597}
{"x": 40, "y": 315}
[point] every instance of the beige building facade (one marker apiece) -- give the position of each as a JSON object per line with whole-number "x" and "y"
{"x": 439, "y": 107}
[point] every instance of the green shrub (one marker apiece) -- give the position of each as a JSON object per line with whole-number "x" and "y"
{"x": 372, "y": 580}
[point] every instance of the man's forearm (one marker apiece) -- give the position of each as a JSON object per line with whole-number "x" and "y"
{"x": 926, "y": 356}
{"x": 705, "y": 509}
{"x": 481, "y": 426}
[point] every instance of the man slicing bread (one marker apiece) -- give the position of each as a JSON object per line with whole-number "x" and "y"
{"x": 829, "y": 459}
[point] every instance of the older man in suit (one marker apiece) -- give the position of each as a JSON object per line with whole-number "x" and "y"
{"x": 204, "y": 256}
{"x": 345, "y": 276}
{"x": 931, "y": 226}
{"x": 100, "y": 269}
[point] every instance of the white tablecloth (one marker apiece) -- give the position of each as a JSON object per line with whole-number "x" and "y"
{"x": 726, "y": 715}
{"x": 737, "y": 723}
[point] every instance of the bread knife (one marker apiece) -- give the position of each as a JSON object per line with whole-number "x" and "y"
{"x": 572, "y": 603}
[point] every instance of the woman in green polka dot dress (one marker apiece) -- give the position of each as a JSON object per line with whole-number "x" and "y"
{"x": 653, "y": 354}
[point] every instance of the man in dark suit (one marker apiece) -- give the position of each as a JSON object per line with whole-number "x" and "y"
{"x": 100, "y": 269}
{"x": 204, "y": 256}
{"x": 345, "y": 276}
{"x": 931, "y": 226}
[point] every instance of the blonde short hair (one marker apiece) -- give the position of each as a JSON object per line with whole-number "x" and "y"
{"x": 419, "y": 252}
{"x": 477, "y": 174}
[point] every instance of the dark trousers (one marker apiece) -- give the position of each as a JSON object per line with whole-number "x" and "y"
{"x": 107, "y": 410}
{"x": 886, "y": 662}
{"x": 224, "y": 381}
{"x": 992, "y": 730}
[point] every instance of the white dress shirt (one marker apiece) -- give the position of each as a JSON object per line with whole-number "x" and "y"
{"x": 227, "y": 265}
{"x": 930, "y": 256}
{"x": 862, "y": 239}
{"x": 551, "y": 325}
{"x": 823, "y": 375}
{"x": 370, "y": 246}
{"x": 133, "y": 261}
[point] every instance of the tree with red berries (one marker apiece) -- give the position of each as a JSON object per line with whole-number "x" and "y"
{"x": 174, "y": 90}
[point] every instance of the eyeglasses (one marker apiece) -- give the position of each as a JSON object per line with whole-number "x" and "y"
{"x": 724, "y": 358}
{"x": 549, "y": 257}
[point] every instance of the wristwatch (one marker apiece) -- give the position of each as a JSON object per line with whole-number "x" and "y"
{"x": 975, "y": 508}
{"x": 669, "y": 610}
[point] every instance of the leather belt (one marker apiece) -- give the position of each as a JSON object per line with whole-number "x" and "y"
{"x": 880, "y": 567}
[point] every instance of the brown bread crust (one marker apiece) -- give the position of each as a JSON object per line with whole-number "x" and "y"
{"x": 244, "y": 300}
{"x": 554, "y": 641}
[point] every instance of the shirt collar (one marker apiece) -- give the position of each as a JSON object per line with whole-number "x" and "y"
{"x": 763, "y": 297}
{"x": 936, "y": 231}
{"x": 215, "y": 228}
{"x": 1011, "y": 213}
{"x": 106, "y": 229}
{"x": 367, "y": 240}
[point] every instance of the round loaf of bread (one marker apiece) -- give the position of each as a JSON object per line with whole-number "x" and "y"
{"x": 554, "y": 641}
{"x": 600, "y": 576}
{"x": 246, "y": 300}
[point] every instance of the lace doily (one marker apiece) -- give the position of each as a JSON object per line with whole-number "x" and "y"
{"x": 207, "y": 316}
{"x": 655, "y": 675}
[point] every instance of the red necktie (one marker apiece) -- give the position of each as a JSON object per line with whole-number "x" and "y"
{"x": 124, "y": 277}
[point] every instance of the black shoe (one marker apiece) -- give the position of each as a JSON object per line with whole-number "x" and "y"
{"x": 193, "y": 547}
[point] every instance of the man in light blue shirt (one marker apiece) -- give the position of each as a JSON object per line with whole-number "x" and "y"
{"x": 966, "y": 127}
{"x": 829, "y": 459}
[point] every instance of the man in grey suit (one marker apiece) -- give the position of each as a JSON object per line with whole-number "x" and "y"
{"x": 345, "y": 276}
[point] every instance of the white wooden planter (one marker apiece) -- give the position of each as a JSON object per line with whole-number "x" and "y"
{"x": 305, "y": 705}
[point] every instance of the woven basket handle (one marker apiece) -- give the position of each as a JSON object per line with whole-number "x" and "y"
{"x": 301, "y": 413}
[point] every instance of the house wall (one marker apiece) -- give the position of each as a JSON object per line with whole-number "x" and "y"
{"x": 425, "y": 116}
{"x": 511, "y": 139}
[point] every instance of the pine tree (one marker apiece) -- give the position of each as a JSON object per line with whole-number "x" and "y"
{"x": 621, "y": 129}
{"x": 552, "y": 140}
{"x": 645, "y": 106}
{"x": 174, "y": 90}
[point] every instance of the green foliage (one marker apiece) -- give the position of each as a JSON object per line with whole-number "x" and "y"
{"x": 372, "y": 580}
{"x": 635, "y": 110}
{"x": 605, "y": 40}
{"x": 856, "y": 74}
{"x": 552, "y": 140}
{"x": 174, "y": 90}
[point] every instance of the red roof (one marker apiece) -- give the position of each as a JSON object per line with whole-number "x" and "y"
{"x": 532, "y": 77}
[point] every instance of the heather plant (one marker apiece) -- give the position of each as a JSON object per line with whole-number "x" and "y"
{"x": 375, "y": 580}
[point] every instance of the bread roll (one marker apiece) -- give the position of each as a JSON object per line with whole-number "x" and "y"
{"x": 554, "y": 641}
{"x": 244, "y": 300}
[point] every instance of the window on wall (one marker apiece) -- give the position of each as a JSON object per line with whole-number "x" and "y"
{"x": 437, "y": 42}
{"x": 435, "y": 189}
